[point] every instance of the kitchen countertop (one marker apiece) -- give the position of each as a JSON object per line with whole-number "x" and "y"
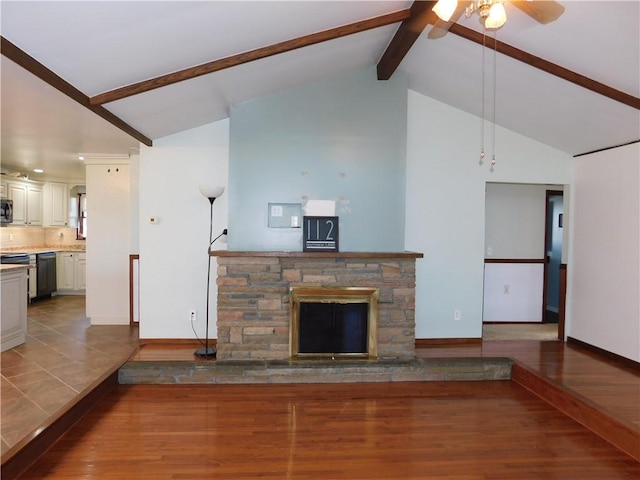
{"x": 43, "y": 249}
{"x": 12, "y": 268}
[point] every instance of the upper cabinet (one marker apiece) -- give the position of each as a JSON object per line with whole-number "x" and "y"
{"x": 27, "y": 202}
{"x": 56, "y": 204}
{"x": 35, "y": 204}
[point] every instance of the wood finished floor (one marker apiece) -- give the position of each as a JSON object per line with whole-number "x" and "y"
{"x": 614, "y": 387}
{"x": 418, "y": 430}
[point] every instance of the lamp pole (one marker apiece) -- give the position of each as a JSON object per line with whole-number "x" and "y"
{"x": 211, "y": 193}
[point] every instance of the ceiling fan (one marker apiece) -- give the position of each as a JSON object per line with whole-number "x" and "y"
{"x": 491, "y": 13}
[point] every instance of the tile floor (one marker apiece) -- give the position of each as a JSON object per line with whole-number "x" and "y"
{"x": 63, "y": 355}
{"x": 520, "y": 331}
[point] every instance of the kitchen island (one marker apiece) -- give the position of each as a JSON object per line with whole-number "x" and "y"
{"x": 13, "y": 304}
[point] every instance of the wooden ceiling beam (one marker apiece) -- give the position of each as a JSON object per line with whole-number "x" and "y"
{"x": 410, "y": 29}
{"x": 15, "y": 54}
{"x": 250, "y": 56}
{"x": 546, "y": 66}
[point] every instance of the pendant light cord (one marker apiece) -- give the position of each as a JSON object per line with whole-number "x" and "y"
{"x": 484, "y": 34}
{"x": 495, "y": 81}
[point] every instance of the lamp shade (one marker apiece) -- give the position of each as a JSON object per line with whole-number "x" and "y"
{"x": 211, "y": 191}
{"x": 497, "y": 16}
{"x": 445, "y": 8}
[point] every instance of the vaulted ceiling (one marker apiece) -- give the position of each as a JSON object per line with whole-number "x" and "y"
{"x": 573, "y": 84}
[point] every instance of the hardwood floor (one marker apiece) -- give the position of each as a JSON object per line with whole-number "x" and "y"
{"x": 419, "y": 430}
{"x": 612, "y": 385}
{"x": 458, "y": 431}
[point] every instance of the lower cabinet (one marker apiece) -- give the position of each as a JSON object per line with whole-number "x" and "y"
{"x": 13, "y": 308}
{"x": 71, "y": 268}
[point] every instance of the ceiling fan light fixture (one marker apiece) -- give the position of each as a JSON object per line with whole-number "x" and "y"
{"x": 444, "y": 9}
{"x": 497, "y": 16}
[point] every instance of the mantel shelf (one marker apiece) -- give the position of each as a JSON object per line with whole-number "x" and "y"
{"x": 232, "y": 253}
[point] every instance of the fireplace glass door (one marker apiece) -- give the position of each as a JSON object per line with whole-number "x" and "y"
{"x": 333, "y": 328}
{"x": 334, "y": 322}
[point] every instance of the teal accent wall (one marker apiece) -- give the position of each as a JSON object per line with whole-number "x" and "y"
{"x": 342, "y": 139}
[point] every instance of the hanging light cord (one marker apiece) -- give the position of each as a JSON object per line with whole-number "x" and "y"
{"x": 495, "y": 81}
{"x": 484, "y": 33}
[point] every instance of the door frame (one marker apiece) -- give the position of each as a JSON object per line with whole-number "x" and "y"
{"x": 561, "y": 290}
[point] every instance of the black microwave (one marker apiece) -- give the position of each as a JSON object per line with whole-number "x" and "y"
{"x": 6, "y": 211}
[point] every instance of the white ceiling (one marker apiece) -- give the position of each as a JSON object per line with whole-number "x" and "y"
{"x": 99, "y": 46}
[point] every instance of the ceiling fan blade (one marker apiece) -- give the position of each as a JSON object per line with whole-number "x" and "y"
{"x": 440, "y": 28}
{"x": 542, "y": 11}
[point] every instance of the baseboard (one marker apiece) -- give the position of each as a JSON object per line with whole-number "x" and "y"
{"x": 183, "y": 342}
{"x": 618, "y": 433}
{"x": 444, "y": 342}
{"x": 539, "y": 322}
{"x": 610, "y": 355}
{"x": 24, "y": 454}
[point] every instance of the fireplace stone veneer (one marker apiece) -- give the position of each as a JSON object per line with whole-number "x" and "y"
{"x": 254, "y": 305}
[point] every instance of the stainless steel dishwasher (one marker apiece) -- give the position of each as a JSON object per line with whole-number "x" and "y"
{"x": 46, "y": 263}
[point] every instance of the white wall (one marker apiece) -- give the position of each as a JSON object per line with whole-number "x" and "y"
{"x": 108, "y": 237}
{"x": 446, "y": 203}
{"x": 134, "y": 203}
{"x": 513, "y": 292}
{"x": 173, "y": 252}
{"x": 604, "y": 262}
{"x": 515, "y": 220}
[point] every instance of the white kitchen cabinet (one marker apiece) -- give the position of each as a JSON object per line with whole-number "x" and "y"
{"x": 64, "y": 270}
{"x": 13, "y": 306}
{"x": 80, "y": 272}
{"x": 18, "y": 193}
{"x": 71, "y": 272}
{"x": 27, "y": 202}
{"x": 56, "y": 204}
{"x": 34, "y": 205}
{"x": 32, "y": 279}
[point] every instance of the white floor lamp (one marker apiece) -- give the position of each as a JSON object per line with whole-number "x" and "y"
{"x": 210, "y": 192}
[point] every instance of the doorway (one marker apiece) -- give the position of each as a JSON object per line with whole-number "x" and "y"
{"x": 554, "y": 227}
{"x": 523, "y": 255}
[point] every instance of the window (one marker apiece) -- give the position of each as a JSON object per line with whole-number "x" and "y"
{"x": 81, "y": 229}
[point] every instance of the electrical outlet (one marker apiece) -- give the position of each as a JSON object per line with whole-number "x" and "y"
{"x": 457, "y": 315}
{"x": 192, "y": 316}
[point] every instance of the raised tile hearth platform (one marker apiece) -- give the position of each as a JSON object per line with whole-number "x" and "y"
{"x": 315, "y": 371}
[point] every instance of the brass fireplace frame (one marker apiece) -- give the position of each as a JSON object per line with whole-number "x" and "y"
{"x": 342, "y": 295}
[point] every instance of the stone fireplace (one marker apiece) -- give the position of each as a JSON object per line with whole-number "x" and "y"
{"x": 258, "y": 290}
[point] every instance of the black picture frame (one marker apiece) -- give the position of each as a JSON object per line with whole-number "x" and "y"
{"x": 320, "y": 234}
